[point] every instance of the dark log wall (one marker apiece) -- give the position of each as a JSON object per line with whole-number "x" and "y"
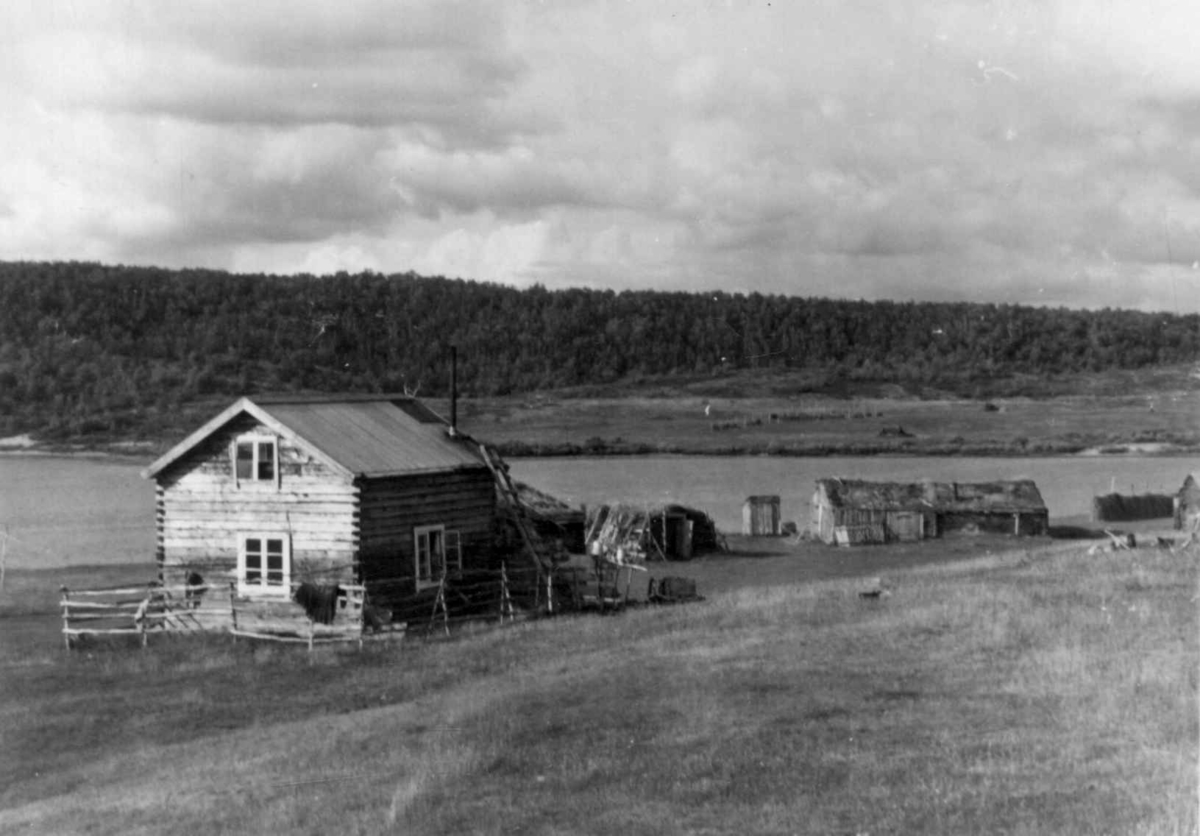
{"x": 461, "y": 500}
{"x": 1026, "y": 523}
{"x": 202, "y": 509}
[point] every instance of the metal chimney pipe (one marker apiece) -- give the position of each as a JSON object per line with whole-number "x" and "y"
{"x": 453, "y": 390}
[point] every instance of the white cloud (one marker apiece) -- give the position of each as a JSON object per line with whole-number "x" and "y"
{"x": 924, "y": 150}
{"x": 503, "y": 253}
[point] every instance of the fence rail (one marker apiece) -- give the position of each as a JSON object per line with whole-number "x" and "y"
{"x": 130, "y": 611}
{"x": 313, "y": 614}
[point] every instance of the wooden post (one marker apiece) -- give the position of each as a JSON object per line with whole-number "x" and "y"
{"x": 66, "y": 615}
{"x": 233, "y": 608}
{"x": 362, "y": 618}
{"x": 3, "y": 554}
{"x": 440, "y": 603}
{"x": 506, "y": 607}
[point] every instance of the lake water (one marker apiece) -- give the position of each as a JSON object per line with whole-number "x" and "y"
{"x": 75, "y": 510}
{"x": 720, "y": 485}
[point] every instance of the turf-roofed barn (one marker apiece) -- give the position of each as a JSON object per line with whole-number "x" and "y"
{"x": 853, "y": 511}
{"x": 275, "y": 491}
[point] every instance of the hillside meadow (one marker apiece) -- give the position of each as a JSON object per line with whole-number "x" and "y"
{"x": 1038, "y": 690}
{"x": 682, "y": 421}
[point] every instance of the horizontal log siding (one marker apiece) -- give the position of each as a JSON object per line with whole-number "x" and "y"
{"x": 1034, "y": 524}
{"x": 994, "y": 522}
{"x": 201, "y": 509}
{"x": 461, "y": 500}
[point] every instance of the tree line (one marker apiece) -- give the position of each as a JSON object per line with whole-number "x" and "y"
{"x": 87, "y": 348}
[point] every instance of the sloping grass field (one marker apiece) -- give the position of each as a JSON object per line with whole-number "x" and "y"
{"x": 1035, "y": 691}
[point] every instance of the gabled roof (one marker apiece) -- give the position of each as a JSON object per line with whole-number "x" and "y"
{"x": 358, "y": 435}
{"x": 1019, "y": 495}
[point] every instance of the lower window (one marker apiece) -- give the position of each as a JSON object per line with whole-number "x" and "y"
{"x": 437, "y": 553}
{"x": 264, "y": 564}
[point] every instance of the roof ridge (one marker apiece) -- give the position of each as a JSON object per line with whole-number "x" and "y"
{"x": 329, "y": 397}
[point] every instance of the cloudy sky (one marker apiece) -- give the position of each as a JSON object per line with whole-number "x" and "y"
{"x": 1029, "y": 151}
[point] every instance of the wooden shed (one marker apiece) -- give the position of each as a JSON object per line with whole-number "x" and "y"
{"x": 357, "y": 489}
{"x": 853, "y": 512}
{"x": 760, "y": 516}
{"x": 1187, "y": 501}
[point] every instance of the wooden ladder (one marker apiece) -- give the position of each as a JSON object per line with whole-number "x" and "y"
{"x": 510, "y": 497}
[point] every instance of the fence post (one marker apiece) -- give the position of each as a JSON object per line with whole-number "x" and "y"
{"x": 233, "y": 610}
{"x": 362, "y": 618}
{"x": 3, "y": 554}
{"x": 445, "y": 609}
{"x": 66, "y": 615}
{"x": 440, "y": 603}
{"x": 506, "y": 607}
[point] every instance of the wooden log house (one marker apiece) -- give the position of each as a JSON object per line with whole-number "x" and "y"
{"x": 274, "y": 491}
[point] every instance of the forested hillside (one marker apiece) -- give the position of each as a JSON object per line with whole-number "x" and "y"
{"x": 93, "y": 349}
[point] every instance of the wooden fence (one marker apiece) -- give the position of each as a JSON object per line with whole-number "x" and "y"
{"x": 132, "y": 611}
{"x": 156, "y": 609}
{"x": 339, "y": 612}
{"x": 342, "y": 612}
{"x": 340, "y": 619}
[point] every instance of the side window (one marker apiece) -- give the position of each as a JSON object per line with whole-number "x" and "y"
{"x": 437, "y": 553}
{"x": 428, "y": 548}
{"x": 256, "y": 459}
{"x": 264, "y": 564}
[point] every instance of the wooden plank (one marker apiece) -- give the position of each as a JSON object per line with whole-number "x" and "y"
{"x": 316, "y": 504}
{"x": 232, "y": 525}
{"x": 295, "y": 639}
{"x": 220, "y": 542}
{"x": 208, "y": 473}
{"x": 225, "y": 560}
{"x": 291, "y": 494}
{"x": 100, "y": 606}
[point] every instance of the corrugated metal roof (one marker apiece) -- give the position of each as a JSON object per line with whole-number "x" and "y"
{"x": 374, "y": 437}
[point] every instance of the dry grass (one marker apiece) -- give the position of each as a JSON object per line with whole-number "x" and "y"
{"x": 1045, "y": 692}
{"x": 681, "y": 422}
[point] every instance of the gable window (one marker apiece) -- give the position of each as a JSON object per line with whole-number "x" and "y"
{"x": 264, "y": 564}
{"x": 256, "y": 459}
{"x": 437, "y": 553}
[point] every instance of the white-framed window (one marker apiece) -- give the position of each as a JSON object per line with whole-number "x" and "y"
{"x": 264, "y": 564}
{"x": 256, "y": 460}
{"x": 437, "y": 552}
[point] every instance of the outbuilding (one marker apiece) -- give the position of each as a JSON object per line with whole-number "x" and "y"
{"x": 852, "y": 511}
{"x": 371, "y": 489}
